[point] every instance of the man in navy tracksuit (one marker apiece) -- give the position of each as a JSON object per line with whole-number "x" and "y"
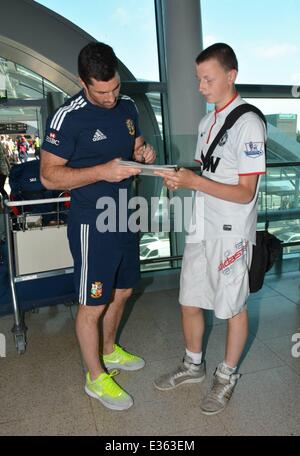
{"x": 84, "y": 140}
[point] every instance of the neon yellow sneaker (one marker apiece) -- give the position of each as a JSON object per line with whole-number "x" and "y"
{"x": 122, "y": 359}
{"x": 107, "y": 391}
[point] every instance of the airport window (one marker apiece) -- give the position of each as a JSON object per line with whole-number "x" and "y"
{"x": 129, "y": 27}
{"x": 21, "y": 83}
{"x": 265, "y": 36}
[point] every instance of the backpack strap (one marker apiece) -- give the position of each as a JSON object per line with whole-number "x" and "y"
{"x": 230, "y": 120}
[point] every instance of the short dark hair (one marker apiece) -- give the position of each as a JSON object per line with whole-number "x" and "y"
{"x": 223, "y": 53}
{"x": 98, "y": 61}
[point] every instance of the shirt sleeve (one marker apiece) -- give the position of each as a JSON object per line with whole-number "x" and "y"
{"x": 59, "y": 141}
{"x": 250, "y": 145}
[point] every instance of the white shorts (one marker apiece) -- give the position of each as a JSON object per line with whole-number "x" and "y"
{"x": 215, "y": 276}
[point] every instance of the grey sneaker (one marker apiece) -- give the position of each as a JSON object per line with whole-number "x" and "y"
{"x": 220, "y": 393}
{"x": 187, "y": 372}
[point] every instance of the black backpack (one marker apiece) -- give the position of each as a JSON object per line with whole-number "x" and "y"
{"x": 268, "y": 247}
{"x": 266, "y": 251}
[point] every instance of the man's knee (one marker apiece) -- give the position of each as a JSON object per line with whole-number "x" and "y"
{"x": 124, "y": 293}
{"x": 90, "y": 313}
{"x": 241, "y": 316}
{"x": 190, "y": 311}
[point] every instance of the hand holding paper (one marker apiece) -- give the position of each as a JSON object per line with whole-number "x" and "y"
{"x": 113, "y": 172}
{"x": 183, "y": 178}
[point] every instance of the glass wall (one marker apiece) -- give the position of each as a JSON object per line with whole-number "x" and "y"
{"x": 264, "y": 34}
{"x": 129, "y": 27}
{"x": 279, "y": 203}
{"x": 23, "y": 100}
{"x": 284, "y": 115}
{"x": 20, "y": 83}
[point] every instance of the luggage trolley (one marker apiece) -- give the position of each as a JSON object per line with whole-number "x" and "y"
{"x": 35, "y": 250}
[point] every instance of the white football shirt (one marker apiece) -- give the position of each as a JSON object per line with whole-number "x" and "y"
{"x": 241, "y": 152}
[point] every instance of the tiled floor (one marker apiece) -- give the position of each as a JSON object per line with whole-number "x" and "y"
{"x": 41, "y": 392}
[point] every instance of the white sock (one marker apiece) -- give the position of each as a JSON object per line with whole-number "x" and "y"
{"x": 195, "y": 357}
{"x": 223, "y": 368}
{"x": 232, "y": 369}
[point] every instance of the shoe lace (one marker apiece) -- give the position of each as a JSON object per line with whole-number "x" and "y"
{"x": 110, "y": 385}
{"x": 179, "y": 372}
{"x": 123, "y": 352}
{"x": 222, "y": 390}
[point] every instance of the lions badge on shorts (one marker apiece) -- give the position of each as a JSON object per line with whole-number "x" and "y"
{"x": 130, "y": 126}
{"x": 96, "y": 290}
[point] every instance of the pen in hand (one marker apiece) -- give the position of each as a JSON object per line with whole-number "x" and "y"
{"x": 143, "y": 151}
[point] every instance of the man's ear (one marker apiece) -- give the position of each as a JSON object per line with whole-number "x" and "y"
{"x": 83, "y": 85}
{"x": 232, "y": 75}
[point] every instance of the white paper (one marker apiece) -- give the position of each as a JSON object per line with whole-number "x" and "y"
{"x": 148, "y": 170}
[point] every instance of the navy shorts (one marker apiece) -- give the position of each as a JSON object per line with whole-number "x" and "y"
{"x": 102, "y": 261}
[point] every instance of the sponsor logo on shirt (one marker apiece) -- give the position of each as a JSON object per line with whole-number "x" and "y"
{"x": 96, "y": 290}
{"x": 51, "y": 138}
{"x": 99, "y": 136}
{"x": 254, "y": 149}
{"x": 212, "y": 164}
{"x": 130, "y": 126}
